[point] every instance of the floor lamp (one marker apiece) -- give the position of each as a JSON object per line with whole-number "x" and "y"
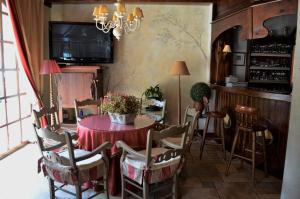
{"x": 179, "y": 68}
{"x": 50, "y": 67}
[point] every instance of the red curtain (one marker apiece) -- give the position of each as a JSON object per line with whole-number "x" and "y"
{"x": 20, "y": 43}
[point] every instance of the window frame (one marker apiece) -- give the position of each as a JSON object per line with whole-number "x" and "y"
{"x": 3, "y": 99}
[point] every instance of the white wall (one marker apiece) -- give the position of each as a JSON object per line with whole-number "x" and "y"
{"x": 291, "y": 178}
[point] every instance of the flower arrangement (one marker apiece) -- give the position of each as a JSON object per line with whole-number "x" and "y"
{"x": 121, "y": 104}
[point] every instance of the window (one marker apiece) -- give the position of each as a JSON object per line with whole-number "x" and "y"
{"x": 15, "y": 100}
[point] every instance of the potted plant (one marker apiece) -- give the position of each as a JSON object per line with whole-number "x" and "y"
{"x": 200, "y": 93}
{"x": 153, "y": 93}
{"x": 122, "y": 109}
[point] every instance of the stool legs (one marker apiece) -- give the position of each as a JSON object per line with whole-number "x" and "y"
{"x": 264, "y": 153}
{"x": 243, "y": 148}
{"x": 220, "y": 128}
{"x": 223, "y": 137}
{"x": 204, "y": 135}
{"x": 232, "y": 150}
{"x": 253, "y": 157}
{"x": 253, "y": 153}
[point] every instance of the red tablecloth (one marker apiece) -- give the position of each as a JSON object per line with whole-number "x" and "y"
{"x": 95, "y": 130}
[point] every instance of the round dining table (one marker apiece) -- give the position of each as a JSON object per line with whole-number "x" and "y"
{"x": 97, "y": 129}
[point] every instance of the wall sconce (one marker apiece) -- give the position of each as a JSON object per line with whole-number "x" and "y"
{"x": 227, "y": 49}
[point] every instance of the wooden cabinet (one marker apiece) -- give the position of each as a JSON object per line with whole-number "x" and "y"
{"x": 77, "y": 83}
{"x": 242, "y": 18}
{"x": 227, "y": 7}
{"x": 268, "y": 10}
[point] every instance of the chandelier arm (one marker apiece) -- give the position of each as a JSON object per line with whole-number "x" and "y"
{"x": 131, "y": 27}
{"x": 105, "y": 27}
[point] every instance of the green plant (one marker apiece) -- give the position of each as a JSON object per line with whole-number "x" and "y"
{"x": 200, "y": 90}
{"x": 153, "y": 93}
{"x": 122, "y": 104}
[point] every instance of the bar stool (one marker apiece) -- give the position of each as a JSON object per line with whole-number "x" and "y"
{"x": 219, "y": 116}
{"x": 247, "y": 124}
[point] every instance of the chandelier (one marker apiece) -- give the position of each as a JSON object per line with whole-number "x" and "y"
{"x": 119, "y": 23}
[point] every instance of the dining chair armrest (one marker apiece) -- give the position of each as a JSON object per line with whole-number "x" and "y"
{"x": 171, "y": 145}
{"x": 73, "y": 133}
{"x": 128, "y": 149}
{"x": 158, "y": 126}
{"x": 47, "y": 133}
{"x": 98, "y": 150}
{"x": 54, "y": 147}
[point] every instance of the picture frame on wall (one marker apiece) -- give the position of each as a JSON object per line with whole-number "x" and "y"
{"x": 238, "y": 58}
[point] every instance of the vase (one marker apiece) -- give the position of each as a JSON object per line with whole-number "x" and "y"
{"x": 122, "y": 118}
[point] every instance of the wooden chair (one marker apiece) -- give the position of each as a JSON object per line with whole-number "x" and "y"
{"x": 145, "y": 170}
{"x": 72, "y": 166}
{"x": 49, "y": 115}
{"x": 158, "y": 116}
{"x": 85, "y": 103}
{"x": 192, "y": 116}
{"x": 247, "y": 123}
{"x": 54, "y": 126}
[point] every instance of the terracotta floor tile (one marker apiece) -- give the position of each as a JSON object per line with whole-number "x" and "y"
{"x": 191, "y": 182}
{"x": 196, "y": 193}
{"x": 235, "y": 190}
{"x": 269, "y": 196}
{"x": 268, "y": 187}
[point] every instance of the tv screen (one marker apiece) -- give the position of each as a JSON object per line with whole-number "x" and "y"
{"x": 79, "y": 43}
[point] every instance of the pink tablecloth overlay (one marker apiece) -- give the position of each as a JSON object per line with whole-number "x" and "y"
{"x": 95, "y": 130}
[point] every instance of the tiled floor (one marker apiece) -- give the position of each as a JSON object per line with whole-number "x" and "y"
{"x": 201, "y": 179}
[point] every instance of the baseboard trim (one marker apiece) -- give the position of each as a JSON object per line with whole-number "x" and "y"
{"x": 14, "y": 149}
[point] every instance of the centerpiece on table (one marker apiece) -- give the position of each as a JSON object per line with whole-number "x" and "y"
{"x": 122, "y": 109}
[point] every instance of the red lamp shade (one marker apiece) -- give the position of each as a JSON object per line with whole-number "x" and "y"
{"x": 49, "y": 67}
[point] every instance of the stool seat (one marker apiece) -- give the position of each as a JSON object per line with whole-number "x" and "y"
{"x": 216, "y": 114}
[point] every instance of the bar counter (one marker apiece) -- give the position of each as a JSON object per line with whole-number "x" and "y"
{"x": 274, "y": 109}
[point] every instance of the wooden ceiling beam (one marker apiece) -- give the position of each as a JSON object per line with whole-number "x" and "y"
{"x": 47, "y": 2}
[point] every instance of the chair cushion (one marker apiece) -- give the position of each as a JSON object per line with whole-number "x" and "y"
{"x": 137, "y": 170}
{"x": 61, "y": 171}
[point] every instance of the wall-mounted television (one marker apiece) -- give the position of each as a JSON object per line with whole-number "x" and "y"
{"x": 79, "y": 42}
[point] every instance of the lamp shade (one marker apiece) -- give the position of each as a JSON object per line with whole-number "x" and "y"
{"x": 226, "y": 49}
{"x": 49, "y": 67}
{"x": 179, "y": 68}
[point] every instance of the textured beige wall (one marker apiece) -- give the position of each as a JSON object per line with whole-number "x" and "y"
{"x": 143, "y": 58}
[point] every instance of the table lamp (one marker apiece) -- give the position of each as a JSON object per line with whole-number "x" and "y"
{"x": 179, "y": 68}
{"x": 50, "y": 67}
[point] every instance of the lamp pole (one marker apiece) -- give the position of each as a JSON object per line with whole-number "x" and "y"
{"x": 179, "y": 101}
{"x": 179, "y": 68}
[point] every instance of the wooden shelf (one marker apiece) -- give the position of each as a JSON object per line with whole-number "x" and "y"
{"x": 268, "y": 68}
{"x": 80, "y": 69}
{"x": 269, "y": 81}
{"x": 270, "y": 55}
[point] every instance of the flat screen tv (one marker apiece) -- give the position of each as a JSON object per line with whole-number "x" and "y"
{"x": 83, "y": 43}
